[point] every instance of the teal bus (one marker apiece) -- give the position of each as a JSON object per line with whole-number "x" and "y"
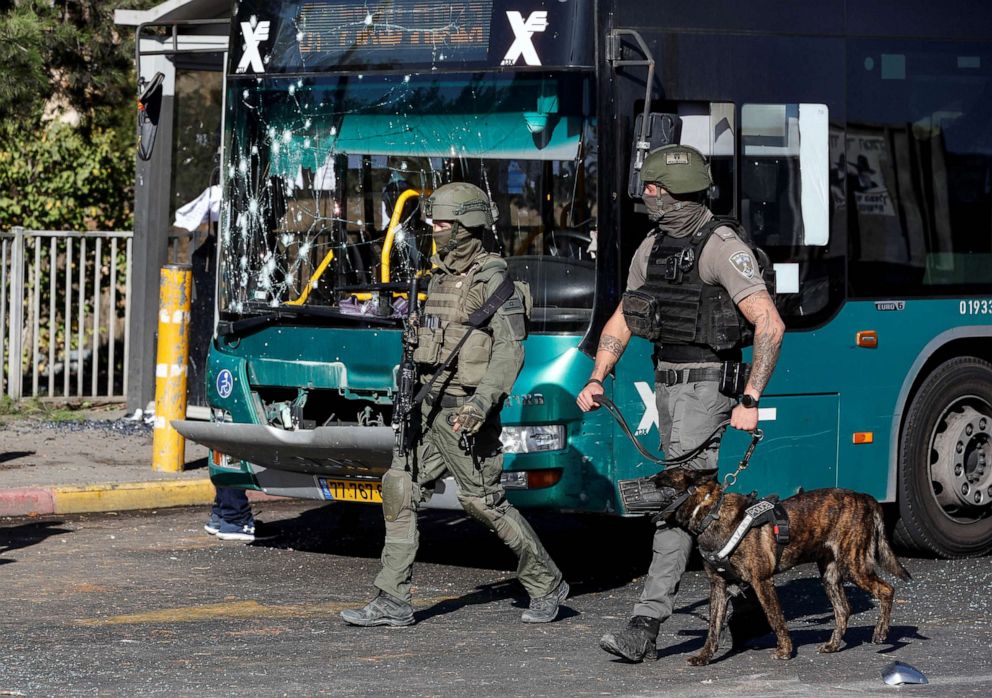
{"x": 853, "y": 141}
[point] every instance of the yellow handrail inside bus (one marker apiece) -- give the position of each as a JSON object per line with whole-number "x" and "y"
{"x": 387, "y": 248}
{"x": 394, "y": 221}
{"x": 312, "y": 282}
{"x": 387, "y": 245}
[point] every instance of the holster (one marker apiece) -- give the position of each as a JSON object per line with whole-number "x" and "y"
{"x": 733, "y": 378}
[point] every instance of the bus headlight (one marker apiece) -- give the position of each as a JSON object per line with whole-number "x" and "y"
{"x": 533, "y": 438}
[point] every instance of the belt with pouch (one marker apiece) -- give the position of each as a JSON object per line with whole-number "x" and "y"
{"x": 446, "y": 401}
{"x": 674, "y": 376}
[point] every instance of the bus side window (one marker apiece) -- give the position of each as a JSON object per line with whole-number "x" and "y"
{"x": 785, "y": 174}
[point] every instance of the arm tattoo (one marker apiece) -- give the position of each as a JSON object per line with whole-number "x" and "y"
{"x": 768, "y": 331}
{"x": 766, "y": 349}
{"x": 611, "y": 344}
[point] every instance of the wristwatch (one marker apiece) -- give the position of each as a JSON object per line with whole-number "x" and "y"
{"x": 748, "y": 401}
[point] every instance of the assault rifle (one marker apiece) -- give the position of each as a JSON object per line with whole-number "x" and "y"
{"x": 406, "y": 382}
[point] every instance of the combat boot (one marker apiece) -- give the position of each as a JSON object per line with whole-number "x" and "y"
{"x": 544, "y": 609}
{"x": 382, "y": 610}
{"x": 636, "y": 641}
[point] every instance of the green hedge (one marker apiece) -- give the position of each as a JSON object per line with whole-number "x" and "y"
{"x": 61, "y": 178}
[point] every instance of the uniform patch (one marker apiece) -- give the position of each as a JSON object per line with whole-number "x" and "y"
{"x": 677, "y": 158}
{"x": 513, "y": 305}
{"x": 744, "y": 263}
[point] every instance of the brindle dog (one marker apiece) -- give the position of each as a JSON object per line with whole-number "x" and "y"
{"x": 840, "y": 530}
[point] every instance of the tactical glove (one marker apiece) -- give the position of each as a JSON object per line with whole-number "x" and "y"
{"x": 469, "y": 419}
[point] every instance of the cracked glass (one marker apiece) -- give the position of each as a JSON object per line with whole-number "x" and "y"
{"x": 323, "y": 176}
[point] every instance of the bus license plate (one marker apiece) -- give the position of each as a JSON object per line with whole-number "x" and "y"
{"x": 369, "y": 492}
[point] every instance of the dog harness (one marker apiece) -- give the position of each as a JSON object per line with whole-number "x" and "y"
{"x": 765, "y": 511}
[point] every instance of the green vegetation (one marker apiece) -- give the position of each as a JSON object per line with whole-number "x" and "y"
{"x": 67, "y": 115}
{"x": 59, "y": 178}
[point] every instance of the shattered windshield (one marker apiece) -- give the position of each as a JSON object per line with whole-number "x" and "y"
{"x": 324, "y": 176}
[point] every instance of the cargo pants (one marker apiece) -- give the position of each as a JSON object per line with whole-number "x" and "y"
{"x": 410, "y": 482}
{"x": 687, "y": 414}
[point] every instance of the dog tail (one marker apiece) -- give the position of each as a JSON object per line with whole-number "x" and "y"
{"x": 888, "y": 560}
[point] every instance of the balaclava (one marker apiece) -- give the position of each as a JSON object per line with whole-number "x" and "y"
{"x": 457, "y": 247}
{"x": 675, "y": 217}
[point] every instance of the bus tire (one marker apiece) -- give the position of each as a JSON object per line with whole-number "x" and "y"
{"x": 945, "y": 463}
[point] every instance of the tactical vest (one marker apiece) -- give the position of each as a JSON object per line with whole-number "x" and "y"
{"x": 444, "y": 322}
{"x": 696, "y": 321}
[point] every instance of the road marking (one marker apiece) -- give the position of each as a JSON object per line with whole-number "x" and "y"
{"x": 239, "y": 610}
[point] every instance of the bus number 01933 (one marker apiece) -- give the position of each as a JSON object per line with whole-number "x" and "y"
{"x": 976, "y": 307}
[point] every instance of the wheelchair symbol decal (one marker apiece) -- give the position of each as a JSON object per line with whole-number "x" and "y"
{"x": 225, "y": 383}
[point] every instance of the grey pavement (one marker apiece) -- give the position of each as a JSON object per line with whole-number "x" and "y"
{"x": 99, "y": 461}
{"x": 145, "y": 603}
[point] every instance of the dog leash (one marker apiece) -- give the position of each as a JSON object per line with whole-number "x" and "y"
{"x": 730, "y": 479}
{"x": 676, "y": 461}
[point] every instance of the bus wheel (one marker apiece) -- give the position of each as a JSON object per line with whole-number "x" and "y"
{"x": 945, "y": 462}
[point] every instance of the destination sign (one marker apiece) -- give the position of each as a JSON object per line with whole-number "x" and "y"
{"x": 395, "y": 31}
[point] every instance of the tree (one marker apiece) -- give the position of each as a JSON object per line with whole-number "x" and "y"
{"x": 67, "y": 59}
{"x": 67, "y": 114}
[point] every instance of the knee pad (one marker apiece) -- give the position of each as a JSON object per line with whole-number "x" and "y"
{"x": 397, "y": 493}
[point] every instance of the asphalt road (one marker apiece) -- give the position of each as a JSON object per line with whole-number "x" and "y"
{"x": 148, "y": 604}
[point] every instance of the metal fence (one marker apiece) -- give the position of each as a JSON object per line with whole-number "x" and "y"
{"x": 64, "y": 312}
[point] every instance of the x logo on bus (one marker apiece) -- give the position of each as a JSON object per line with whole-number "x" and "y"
{"x": 523, "y": 31}
{"x": 253, "y": 37}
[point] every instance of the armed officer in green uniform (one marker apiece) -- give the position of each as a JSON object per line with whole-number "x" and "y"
{"x": 460, "y": 426}
{"x": 695, "y": 289}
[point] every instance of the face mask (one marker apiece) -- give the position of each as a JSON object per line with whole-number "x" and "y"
{"x": 442, "y": 238}
{"x": 654, "y": 206}
{"x": 674, "y": 217}
{"x": 457, "y": 247}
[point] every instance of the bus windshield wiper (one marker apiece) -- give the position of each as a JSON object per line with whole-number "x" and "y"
{"x": 288, "y": 312}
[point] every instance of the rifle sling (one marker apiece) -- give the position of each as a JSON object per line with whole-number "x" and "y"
{"x": 476, "y": 320}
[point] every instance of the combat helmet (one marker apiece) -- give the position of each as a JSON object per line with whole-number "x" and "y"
{"x": 680, "y": 169}
{"x": 461, "y": 202}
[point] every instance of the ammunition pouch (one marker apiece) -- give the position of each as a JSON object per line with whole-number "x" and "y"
{"x": 643, "y": 314}
{"x": 473, "y": 359}
{"x": 428, "y": 348}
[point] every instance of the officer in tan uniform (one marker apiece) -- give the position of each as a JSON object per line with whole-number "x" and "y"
{"x": 460, "y": 426}
{"x": 694, "y": 289}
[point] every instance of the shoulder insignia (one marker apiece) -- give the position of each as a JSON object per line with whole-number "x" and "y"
{"x": 744, "y": 263}
{"x": 725, "y": 232}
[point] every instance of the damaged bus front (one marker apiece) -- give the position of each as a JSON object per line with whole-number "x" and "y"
{"x": 339, "y": 117}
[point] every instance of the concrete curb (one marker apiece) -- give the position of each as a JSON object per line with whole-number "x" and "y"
{"x": 118, "y": 496}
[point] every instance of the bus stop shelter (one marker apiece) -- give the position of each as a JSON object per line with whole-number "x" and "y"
{"x": 181, "y": 47}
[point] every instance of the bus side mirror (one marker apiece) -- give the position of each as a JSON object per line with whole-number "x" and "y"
{"x": 149, "y": 111}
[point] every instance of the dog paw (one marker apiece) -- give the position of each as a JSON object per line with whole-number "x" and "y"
{"x": 879, "y": 638}
{"x": 783, "y": 654}
{"x": 698, "y": 660}
{"x": 828, "y": 647}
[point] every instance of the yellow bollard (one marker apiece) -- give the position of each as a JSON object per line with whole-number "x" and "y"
{"x": 174, "y": 291}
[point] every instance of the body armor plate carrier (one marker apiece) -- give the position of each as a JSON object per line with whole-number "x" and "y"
{"x": 692, "y": 320}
